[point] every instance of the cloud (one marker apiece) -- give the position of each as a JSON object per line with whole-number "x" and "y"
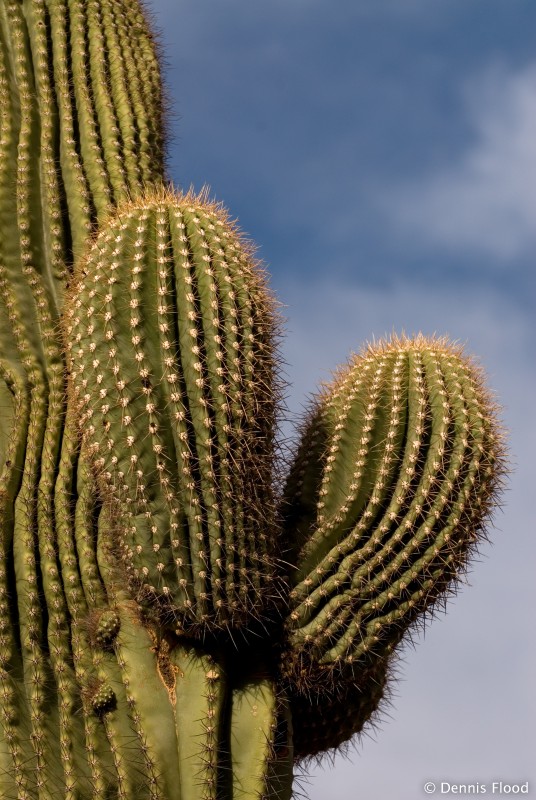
{"x": 484, "y": 200}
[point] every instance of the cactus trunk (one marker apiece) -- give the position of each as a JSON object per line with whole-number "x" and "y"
{"x": 170, "y": 629}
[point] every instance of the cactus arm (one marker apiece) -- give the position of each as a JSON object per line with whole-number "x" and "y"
{"x": 146, "y": 448}
{"x": 389, "y": 538}
{"x": 200, "y": 706}
{"x": 150, "y": 703}
{"x": 329, "y": 718}
{"x": 261, "y": 742}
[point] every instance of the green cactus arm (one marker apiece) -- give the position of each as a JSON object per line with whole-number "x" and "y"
{"x": 201, "y": 697}
{"x": 330, "y": 718}
{"x": 389, "y": 492}
{"x": 162, "y": 426}
{"x": 261, "y": 741}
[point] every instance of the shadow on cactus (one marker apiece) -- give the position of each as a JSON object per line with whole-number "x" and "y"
{"x": 170, "y": 627}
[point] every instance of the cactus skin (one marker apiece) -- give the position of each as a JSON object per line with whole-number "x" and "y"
{"x": 63, "y": 160}
{"x": 200, "y": 655}
{"x": 171, "y": 358}
{"x": 387, "y": 495}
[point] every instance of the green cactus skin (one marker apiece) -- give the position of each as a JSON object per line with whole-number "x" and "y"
{"x": 387, "y": 495}
{"x": 412, "y": 417}
{"x": 52, "y": 193}
{"x": 170, "y": 335}
{"x": 261, "y": 740}
{"x": 167, "y": 633}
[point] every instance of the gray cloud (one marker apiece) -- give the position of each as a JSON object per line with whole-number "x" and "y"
{"x": 484, "y": 200}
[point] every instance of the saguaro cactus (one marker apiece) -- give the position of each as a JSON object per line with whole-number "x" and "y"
{"x": 169, "y": 627}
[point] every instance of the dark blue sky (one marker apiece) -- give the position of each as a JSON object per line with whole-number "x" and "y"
{"x": 382, "y": 154}
{"x": 301, "y": 116}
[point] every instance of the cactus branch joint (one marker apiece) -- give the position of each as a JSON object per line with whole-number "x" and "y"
{"x": 172, "y": 625}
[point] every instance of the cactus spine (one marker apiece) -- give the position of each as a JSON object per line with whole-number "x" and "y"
{"x": 166, "y": 631}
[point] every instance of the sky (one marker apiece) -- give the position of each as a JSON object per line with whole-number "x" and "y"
{"x": 382, "y": 155}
